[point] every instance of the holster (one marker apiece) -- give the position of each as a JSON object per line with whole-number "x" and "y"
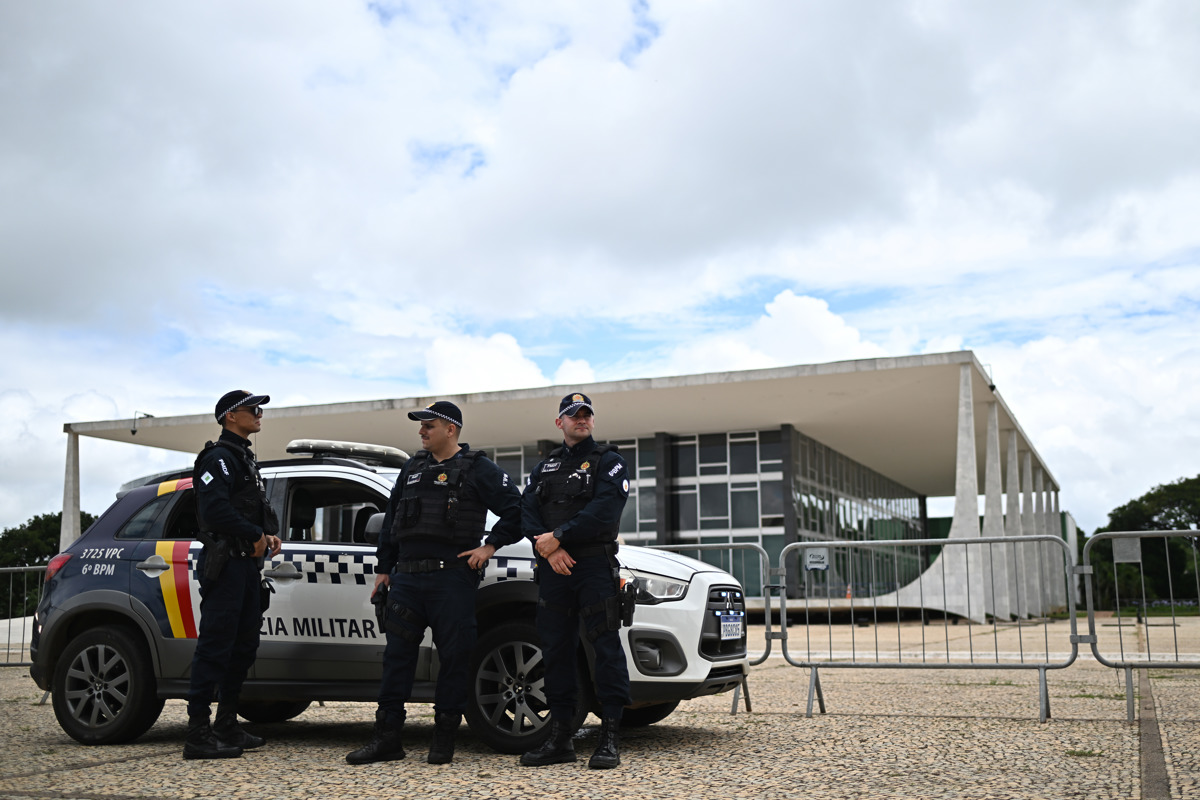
{"x": 265, "y": 590}
{"x": 216, "y": 555}
{"x": 379, "y": 600}
{"x": 628, "y": 602}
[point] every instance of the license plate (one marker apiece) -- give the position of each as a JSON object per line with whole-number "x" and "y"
{"x": 731, "y": 626}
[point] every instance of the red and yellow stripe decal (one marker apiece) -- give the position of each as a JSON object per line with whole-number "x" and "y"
{"x": 176, "y": 588}
{"x": 177, "y": 594}
{"x": 166, "y": 487}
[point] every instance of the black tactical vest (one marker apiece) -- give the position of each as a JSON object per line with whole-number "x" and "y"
{"x": 440, "y": 501}
{"x": 567, "y": 484}
{"x": 248, "y": 495}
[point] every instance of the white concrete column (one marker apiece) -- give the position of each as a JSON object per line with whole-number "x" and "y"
{"x": 1030, "y": 555}
{"x": 69, "y": 530}
{"x": 996, "y": 577}
{"x": 1056, "y": 589}
{"x": 952, "y": 575}
{"x": 954, "y": 582}
{"x": 1039, "y": 526}
{"x": 1073, "y": 546}
{"x": 1012, "y": 527}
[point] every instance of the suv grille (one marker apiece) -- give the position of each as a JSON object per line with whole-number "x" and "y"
{"x": 723, "y": 601}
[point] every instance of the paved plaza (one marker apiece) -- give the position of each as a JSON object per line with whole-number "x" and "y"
{"x": 887, "y": 733}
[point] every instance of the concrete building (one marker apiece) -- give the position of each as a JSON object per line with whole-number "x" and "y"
{"x": 849, "y": 450}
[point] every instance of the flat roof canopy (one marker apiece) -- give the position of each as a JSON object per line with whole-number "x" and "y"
{"x": 897, "y": 416}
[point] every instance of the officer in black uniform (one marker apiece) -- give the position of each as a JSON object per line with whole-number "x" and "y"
{"x": 429, "y": 559}
{"x": 238, "y": 528}
{"x": 571, "y": 508}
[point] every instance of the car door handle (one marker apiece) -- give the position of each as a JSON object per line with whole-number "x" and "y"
{"x": 155, "y": 565}
{"x": 287, "y": 571}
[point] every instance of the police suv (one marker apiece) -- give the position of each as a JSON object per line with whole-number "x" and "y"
{"x": 116, "y": 626}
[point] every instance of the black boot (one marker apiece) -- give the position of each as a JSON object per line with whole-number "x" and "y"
{"x": 384, "y": 744}
{"x": 608, "y": 751}
{"x": 445, "y": 725}
{"x": 201, "y": 743}
{"x": 230, "y": 733}
{"x": 558, "y": 749}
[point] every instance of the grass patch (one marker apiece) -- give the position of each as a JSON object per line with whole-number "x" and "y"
{"x": 1101, "y": 696}
{"x": 1161, "y": 611}
{"x": 1085, "y": 753}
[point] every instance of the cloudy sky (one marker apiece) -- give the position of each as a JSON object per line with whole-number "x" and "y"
{"x": 355, "y": 200}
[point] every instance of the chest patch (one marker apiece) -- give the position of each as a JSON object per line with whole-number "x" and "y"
{"x": 551, "y": 466}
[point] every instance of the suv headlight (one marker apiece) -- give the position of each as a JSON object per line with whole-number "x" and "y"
{"x": 653, "y": 589}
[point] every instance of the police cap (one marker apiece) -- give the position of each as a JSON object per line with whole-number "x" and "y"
{"x": 442, "y": 409}
{"x": 238, "y": 397}
{"x": 573, "y": 402}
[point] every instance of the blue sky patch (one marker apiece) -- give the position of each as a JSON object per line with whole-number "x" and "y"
{"x": 645, "y": 32}
{"x": 430, "y": 157}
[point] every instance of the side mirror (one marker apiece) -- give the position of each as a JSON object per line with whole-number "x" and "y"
{"x": 374, "y": 527}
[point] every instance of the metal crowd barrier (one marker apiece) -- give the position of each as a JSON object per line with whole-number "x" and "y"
{"x": 978, "y": 566}
{"x": 20, "y": 591}
{"x": 1136, "y": 643}
{"x": 1008, "y": 588}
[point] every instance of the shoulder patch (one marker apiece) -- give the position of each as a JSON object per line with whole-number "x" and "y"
{"x": 616, "y": 468}
{"x": 625, "y": 486}
{"x": 224, "y": 468}
{"x": 206, "y": 478}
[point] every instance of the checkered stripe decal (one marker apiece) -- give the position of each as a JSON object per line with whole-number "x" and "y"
{"x": 336, "y": 568}
{"x": 359, "y": 568}
{"x": 501, "y": 569}
{"x": 317, "y": 567}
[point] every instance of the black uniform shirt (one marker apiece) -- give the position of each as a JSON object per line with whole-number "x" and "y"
{"x": 596, "y": 521}
{"x": 218, "y": 471}
{"x": 497, "y": 492}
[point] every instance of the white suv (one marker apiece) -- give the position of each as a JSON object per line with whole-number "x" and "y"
{"x": 116, "y": 626}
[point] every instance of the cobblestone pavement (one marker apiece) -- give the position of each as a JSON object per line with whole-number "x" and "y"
{"x": 888, "y": 733}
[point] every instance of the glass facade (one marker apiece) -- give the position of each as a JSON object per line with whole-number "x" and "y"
{"x": 725, "y": 488}
{"x": 836, "y": 498}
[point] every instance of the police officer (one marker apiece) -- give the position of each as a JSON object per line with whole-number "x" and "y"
{"x": 571, "y": 508}
{"x": 238, "y": 528}
{"x": 429, "y": 560}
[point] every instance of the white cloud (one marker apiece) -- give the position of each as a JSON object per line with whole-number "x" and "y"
{"x": 351, "y": 201}
{"x": 793, "y": 330}
{"x": 575, "y": 372}
{"x": 458, "y": 364}
{"x": 1112, "y": 414}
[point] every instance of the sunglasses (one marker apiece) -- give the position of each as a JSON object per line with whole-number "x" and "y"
{"x": 255, "y": 410}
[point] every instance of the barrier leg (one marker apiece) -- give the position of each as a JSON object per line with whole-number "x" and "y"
{"x": 741, "y": 689}
{"x": 814, "y": 689}
{"x": 1129, "y": 694}
{"x": 46, "y": 697}
{"x": 1043, "y": 697}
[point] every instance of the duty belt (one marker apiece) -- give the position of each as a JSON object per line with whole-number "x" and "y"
{"x": 428, "y": 565}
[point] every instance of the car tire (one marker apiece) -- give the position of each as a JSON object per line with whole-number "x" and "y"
{"x": 104, "y": 691}
{"x": 507, "y": 708}
{"x": 647, "y": 715}
{"x": 272, "y": 711}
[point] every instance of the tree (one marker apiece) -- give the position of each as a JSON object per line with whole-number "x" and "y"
{"x": 30, "y": 545}
{"x": 1169, "y": 566}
